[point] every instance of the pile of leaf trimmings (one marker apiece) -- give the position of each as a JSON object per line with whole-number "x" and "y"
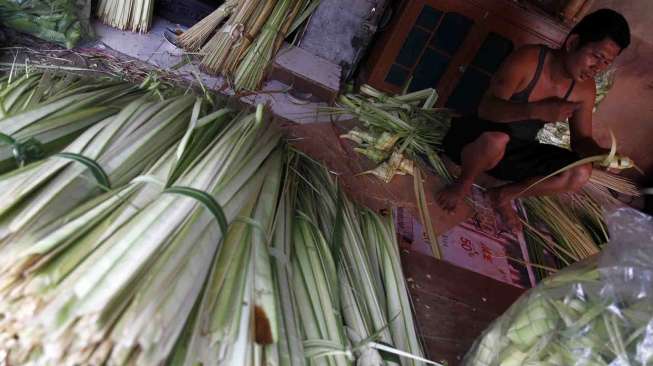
{"x": 397, "y": 130}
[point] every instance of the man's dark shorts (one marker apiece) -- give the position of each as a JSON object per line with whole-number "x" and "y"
{"x": 523, "y": 158}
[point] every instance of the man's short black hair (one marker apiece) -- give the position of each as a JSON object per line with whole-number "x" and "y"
{"x": 602, "y": 24}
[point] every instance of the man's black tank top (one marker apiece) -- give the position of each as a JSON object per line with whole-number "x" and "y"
{"x": 528, "y": 129}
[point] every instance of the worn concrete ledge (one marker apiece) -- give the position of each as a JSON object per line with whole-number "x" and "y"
{"x": 311, "y": 75}
{"x": 154, "y": 49}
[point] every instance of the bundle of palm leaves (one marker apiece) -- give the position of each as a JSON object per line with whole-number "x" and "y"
{"x": 133, "y": 254}
{"x": 223, "y": 239}
{"x": 240, "y": 38}
{"x": 132, "y": 15}
{"x": 42, "y": 112}
{"x": 286, "y": 16}
{"x": 108, "y": 154}
{"x": 240, "y": 251}
{"x": 361, "y": 277}
{"x": 194, "y": 38}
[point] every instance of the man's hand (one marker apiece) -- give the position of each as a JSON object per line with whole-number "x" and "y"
{"x": 553, "y": 110}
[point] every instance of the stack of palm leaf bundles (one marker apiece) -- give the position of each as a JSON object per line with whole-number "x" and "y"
{"x": 190, "y": 258}
{"x": 593, "y": 313}
{"x": 42, "y": 112}
{"x": 274, "y": 294}
{"x": 131, "y": 15}
{"x": 400, "y": 129}
{"x": 241, "y": 37}
{"x": 84, "y": 287}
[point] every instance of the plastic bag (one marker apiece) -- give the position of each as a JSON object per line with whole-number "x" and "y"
{"x": 596, "y": 312}
{"x": 65, "y": 22}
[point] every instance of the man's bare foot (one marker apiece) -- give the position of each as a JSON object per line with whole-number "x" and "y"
{"x": 509, "y": 217}
{"x": 450, "y": 196}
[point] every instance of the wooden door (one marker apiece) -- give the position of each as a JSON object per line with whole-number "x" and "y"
{"x": 425, "y": 43}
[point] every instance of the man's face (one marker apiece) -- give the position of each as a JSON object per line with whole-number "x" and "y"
{"x": 591, "y": 59}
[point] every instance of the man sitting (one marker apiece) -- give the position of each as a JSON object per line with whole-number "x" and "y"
{"x": 536, "y": 85}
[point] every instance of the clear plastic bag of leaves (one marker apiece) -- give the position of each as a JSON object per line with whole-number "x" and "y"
{"x": 64, "y": 22}
{"x": 596, "y": 312}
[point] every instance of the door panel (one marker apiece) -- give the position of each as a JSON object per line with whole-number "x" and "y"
{"x": 445, "y": 42}
{"x": 430, "y": 70}
{"x": 493, "y": 51}
{"x": 469, "y": 91}
{"x": 435, "y": 30}
{"x": 452, "y": 32}
{"x": 476, "y": 77}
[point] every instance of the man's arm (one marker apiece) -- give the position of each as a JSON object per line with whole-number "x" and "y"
{"x": 514, "y": 74}
{"x": 580, "y": 123}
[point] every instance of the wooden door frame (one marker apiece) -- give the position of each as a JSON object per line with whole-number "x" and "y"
{"x": 528, "y": 19}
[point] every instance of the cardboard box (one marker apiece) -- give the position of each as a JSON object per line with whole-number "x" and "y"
{"x": 476, "y": 244}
